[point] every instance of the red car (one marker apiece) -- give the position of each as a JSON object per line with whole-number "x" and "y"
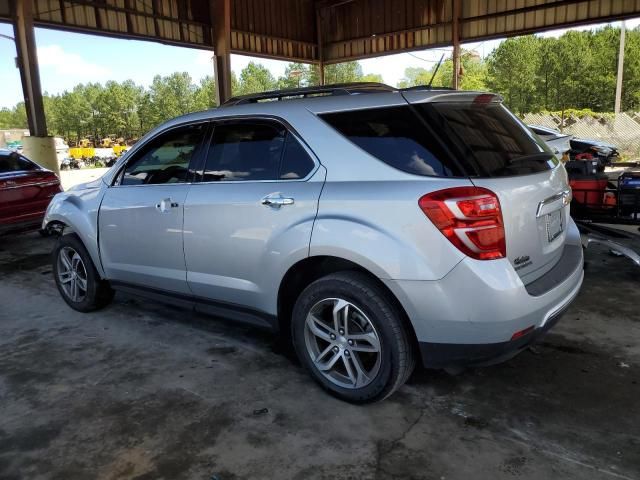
{"x": 25, "y": 191}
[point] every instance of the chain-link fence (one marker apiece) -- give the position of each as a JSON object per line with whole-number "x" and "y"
{"x": 622, "y": 130}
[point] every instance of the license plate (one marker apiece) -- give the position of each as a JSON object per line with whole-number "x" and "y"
{"x": 554, "y": 225}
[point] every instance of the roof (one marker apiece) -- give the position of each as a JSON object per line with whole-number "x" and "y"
{"x": 321, "y": 30}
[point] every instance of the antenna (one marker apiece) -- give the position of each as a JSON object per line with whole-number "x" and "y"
{"x": 435, "y": 71}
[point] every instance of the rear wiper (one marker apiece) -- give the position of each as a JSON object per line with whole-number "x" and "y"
{"x": 533, "y": 156}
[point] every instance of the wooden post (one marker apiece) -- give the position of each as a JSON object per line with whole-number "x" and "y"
{"x": 320, "y": 46}
{"x": 28, "y": 65}
{"x": 221, "y": 22}
{"x": 455, "y": 34}
{"x": 618, "y": 100}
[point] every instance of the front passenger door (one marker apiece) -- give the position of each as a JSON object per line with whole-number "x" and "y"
{"x": 141, "y": 215}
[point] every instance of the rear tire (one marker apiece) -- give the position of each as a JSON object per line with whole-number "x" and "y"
{"x": 77, "y": 278}
{"x": 350, "y": 337}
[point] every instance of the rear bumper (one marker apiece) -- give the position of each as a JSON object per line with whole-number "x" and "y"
{"x": 469, "y": 316}
{"x": 22, "y": 225}
{"x": 443, "y": 355}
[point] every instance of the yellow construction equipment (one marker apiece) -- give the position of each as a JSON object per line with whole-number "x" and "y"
{"x": 84, "y": 143}
{"x": 82, "y": 152}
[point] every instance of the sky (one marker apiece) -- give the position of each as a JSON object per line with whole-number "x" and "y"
{"x": 67, "y": 59}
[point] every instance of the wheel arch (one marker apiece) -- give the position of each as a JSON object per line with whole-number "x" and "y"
{"x": 74, "y": 222}
{"x": 304, "y": 272}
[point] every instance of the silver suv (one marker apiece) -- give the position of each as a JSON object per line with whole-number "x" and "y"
{"x": 371, "y": 226}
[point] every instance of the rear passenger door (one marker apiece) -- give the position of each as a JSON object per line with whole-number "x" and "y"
{"x": 251, "y": 213}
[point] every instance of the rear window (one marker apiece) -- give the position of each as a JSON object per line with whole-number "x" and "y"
{"x": 13, "y": 162}
{"x": 446, "y": 139}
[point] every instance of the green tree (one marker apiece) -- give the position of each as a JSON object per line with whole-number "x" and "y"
{"x": 631, "y": 84}
{"x": 415, "y": 76}
{"x": 295, "y": 75}
{"x": 204, "y": 96}
{"x": 512, "y": 68}
{"x": 473, "y": 77}
{"x": 168, "y": 97}
{"x": 338, "y": 73}
{"x": 372, "y": 77}
{"x": 255, "y": 78}
{"x": 14, "y": 118}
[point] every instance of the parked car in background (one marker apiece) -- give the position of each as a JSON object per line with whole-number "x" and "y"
{"x": 25, "y": 192}
{"x": 370, "y": 226}
{"x": 603, "y": 151}
{"x": 558, "y": 142}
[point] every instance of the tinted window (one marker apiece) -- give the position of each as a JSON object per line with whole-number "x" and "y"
{"x": 244, "y": 151}
{"x": 13, "y": 162}
{"x": 489, "y": 140}
{"x": 165, "y": 159}
{"x": 446, "y": 139}
{"x": 396, "y": 136}
{"x": 296, "y": 162}
{"x": 251, "y": 150}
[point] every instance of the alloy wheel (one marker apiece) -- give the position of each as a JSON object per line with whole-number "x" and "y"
{"x": 72, "y": 274}
{"x": 342, "y": 343}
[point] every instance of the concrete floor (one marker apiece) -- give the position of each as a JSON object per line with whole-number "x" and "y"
{"x": 148, "y": 392}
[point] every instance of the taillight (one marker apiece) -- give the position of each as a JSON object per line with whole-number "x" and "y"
{"x": 470, "y": 217}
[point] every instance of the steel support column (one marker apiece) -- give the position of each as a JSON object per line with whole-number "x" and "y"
{"x": 221, "y": 21}
{"x": 28, "y": 66}
{"x": 455, "y": 34}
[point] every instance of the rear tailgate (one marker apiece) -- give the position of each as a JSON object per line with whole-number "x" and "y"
{"x": 498, "y": 152}
{"x": 535, "y": 212}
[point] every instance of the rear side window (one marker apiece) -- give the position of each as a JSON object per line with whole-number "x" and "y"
{"x": 396, "y": 136}
{"x": 253, "y": 150}
{"x": 446, "y": 139}
{"x": 13, "y": 162}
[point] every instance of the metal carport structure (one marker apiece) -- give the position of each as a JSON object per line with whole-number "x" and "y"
{"x": 314, "y": 31}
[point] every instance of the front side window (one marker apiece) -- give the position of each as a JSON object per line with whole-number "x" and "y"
{"x": 165, "y": 159}
{"x": 14, "y": 162}
{"x": 253, "y": 150}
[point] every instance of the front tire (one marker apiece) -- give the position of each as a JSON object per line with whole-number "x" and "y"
{"x": 350, "y": 336}
{"x": 77, "y": 278}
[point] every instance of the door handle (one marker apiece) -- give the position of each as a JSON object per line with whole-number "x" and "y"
{"x": 165, "y": 205}
{"x": 276, "y": 201}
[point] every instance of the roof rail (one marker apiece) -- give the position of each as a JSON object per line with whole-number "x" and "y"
{"x": 424, "y": 87}
{"x": 335, "y": 89}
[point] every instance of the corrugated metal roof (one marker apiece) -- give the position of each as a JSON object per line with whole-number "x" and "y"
{"x": 348, "y": 29}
